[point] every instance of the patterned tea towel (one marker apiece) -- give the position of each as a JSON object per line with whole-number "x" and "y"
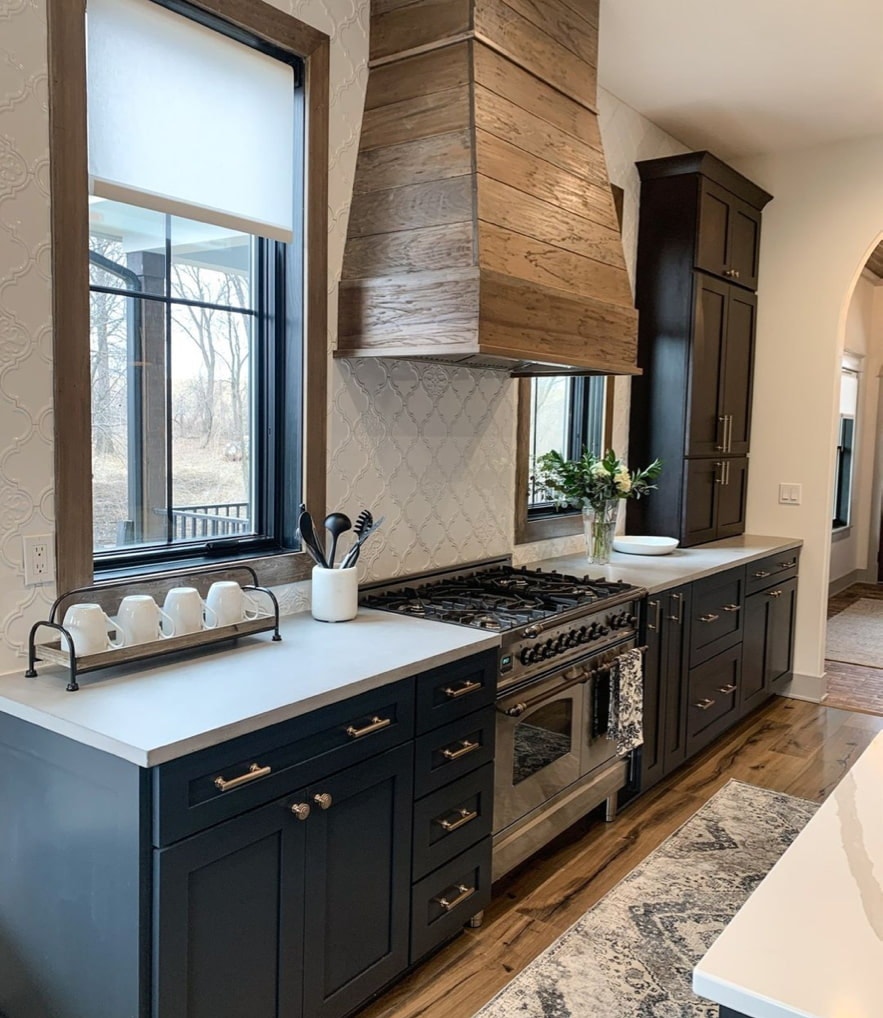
{"x": 627, "y": 701}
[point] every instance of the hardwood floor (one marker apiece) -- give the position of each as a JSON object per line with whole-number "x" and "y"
{"x": 850, "y": 686}
{"x": 789, "y": 745}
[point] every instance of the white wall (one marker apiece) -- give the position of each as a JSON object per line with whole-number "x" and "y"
{"x": 825, "y": 219}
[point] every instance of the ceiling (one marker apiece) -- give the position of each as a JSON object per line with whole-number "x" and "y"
{"x": 751, "y": 76}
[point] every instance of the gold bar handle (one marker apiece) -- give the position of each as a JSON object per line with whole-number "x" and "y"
{"x": 465, "y": 747}
{"x": 449, "y": 904}
{"x": 774, "y": 593}
{"x": 787, "y": 565}
{"x": 730, "y": 687}
{"x": 375, "y": 726}
{"x": 464, "y": 816}
{"x": 656, "y": 624}
{"x": 719, "y": 466}
{"x": 679, "y": 599}
{"x": 710, "y": 617}
{"x": 721, "y": 446}
{"x": 704, "y": 704}
{"x": 469, "y": 687}
{"x": 254, "y": 772}
{"x": 732, "y": 607}
{"x": 729, "y": 441}
{"x": 760, "y": 575}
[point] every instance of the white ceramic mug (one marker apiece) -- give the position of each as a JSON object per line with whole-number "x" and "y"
{"x": 335, "y": 594}
{"x": 230, "y": 603}
{"x": 188, "y": 612}
{"x": 89, "y": 629}
{"x": 141, "y": 620}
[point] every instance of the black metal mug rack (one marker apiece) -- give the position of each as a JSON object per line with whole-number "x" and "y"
{"x": 61, "y": 652}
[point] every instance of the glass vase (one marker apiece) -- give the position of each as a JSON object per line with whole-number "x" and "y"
{"x": 599, "y": 525}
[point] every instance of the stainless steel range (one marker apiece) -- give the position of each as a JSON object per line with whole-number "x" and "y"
{"x": 559, "y": 635}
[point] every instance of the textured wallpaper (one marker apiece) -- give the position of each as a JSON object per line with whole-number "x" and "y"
{"x": 429, "y": 446}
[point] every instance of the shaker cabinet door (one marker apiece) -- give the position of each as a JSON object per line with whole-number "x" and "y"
{"x": 357, "y": 892}
{"x": 705, "y": 430}
{"x": 228, "y": 919}
{"x": 738, "y": 370}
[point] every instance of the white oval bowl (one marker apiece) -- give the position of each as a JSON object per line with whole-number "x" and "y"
{"x": 645, "y": 545}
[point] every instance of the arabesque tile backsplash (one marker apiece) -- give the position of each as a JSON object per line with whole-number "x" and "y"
{"x": 430, "y": 446}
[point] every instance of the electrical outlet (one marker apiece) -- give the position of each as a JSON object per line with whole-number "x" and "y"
{"x": 38, "y": 552}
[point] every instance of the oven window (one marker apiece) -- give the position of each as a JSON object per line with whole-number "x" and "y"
{"x": 542, "y": 738}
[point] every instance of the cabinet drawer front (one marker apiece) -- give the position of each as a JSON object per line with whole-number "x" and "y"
{"x": 716, "y": 617}
{"x": 450, "y": 820}
{"x": 772, "y": 570}
{"x": 454, "y": 750}
{"x": 442, "y": 902}
{"x": 713, "y": 692}
{"x": 202, "y": 789}
{"x": 452, "y": 691}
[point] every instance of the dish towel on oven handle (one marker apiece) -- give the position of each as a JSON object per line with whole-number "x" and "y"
{"x": 626, "y": 701}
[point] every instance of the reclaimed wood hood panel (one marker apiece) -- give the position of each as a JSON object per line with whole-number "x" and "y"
{"x": 482, "y": 227}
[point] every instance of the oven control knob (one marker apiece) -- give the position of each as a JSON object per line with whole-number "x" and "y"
{"x": 548, "y": 650}
{"x": 592, "y": 634}
{"x": 561, "y": 643}
{"x": 525, "y": 656}
{"x": 603, "y": 630}
{"x": 633, "y": 621}
{"x": 571, "y": 639}
{"x": 582, "y": 634}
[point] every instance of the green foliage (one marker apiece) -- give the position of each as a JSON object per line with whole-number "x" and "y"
{"x": 592, "y": 480}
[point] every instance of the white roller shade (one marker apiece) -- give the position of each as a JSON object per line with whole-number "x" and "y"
{"x": 185, "y": 120}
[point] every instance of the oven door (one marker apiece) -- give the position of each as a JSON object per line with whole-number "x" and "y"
{"x": 539, "y": 747}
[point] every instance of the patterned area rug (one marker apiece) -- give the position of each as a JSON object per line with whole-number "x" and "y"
{"x": 632, "y": 954}
{"x": 856, "y": 634}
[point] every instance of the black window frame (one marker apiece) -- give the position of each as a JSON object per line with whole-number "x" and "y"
{"x": 586, "y": 429}
{"x": 843, "y": 472}
{"x": 279, "y": 376}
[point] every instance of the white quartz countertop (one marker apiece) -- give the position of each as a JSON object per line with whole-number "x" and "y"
{"x": 809, "y": 940}
{"x": 683, "y": 565}
{"x": 150, "y": 714}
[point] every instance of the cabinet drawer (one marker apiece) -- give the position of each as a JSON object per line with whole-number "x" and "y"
{"x": 773, "y": 569}
{"x": 450, "y": 820}
{"x": 453, "y": 750}
{"x": 447, "y": 693}
{"x": 202, "y": 789}
{"x": 442, "y": 902}
{"x": 716, "y": 617}
{"x": 713, "y": 692}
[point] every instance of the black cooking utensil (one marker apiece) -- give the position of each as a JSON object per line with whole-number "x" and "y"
{"x": 310, "y": 542}
{"x": 352, "y": 556}
{"x": 336, "y": 524}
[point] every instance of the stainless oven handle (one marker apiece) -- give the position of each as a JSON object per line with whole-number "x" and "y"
{"x": 520, "y": 706}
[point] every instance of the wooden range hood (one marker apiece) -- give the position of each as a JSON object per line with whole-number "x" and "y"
{"x": 482, "y": 227}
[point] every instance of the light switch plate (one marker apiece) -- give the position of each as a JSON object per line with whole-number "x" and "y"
{"x": 790, "y": 494}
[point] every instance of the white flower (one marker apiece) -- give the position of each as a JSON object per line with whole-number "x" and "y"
{"x": 623, "y": 481}
{"x": 599, "y": 470}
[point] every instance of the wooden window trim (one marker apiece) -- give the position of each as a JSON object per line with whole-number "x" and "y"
{"x": 70, "y": 276}
{"x": 564, "y": 524}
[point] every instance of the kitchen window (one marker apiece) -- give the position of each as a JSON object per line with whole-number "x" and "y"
{"x": 567, "y": 414}
{"x": 199, "y": 339}
{"x": 843, "y": 466}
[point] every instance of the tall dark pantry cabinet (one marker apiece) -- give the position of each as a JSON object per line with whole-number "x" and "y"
{"x": 698, "y": 247}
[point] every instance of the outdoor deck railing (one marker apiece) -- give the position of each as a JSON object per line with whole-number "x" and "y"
{"x": 223, "y": 519}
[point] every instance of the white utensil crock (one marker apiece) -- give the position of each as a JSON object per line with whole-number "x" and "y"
{"x": 335, "y": 594}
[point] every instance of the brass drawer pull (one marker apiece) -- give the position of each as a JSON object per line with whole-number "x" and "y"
{"x": 301, "y": 810}
{"x": 704, "y": 704}
{"x": 710, "y": 617}
{"x": 732, "y": 607}
{"x": 679, "y": 600}
{"x": 787, "y": 565}
{"x": 656, "y": 625}
{"x": 761, "y": 575}
{"x": 449, "y": 904}
{"x": 323, "y": 800}
{"x": 465, "y": 747}
{"x": 469, "y": 687}
{"x": 375, "y": 726}
{"x": 774, "y": 593}
{"x": 730, "y": 687}
{"x": 464, "y": 816}
{"x": 254, "y": 772}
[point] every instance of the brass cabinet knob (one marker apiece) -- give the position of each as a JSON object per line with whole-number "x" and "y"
{"x": 323, "y": 800}
{"x": 301, "y": 810}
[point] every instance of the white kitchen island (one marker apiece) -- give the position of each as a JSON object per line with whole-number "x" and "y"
{"x": 809, "y": 940}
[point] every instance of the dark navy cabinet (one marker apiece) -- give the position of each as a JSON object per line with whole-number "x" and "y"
{"x": 270, "y": 876}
